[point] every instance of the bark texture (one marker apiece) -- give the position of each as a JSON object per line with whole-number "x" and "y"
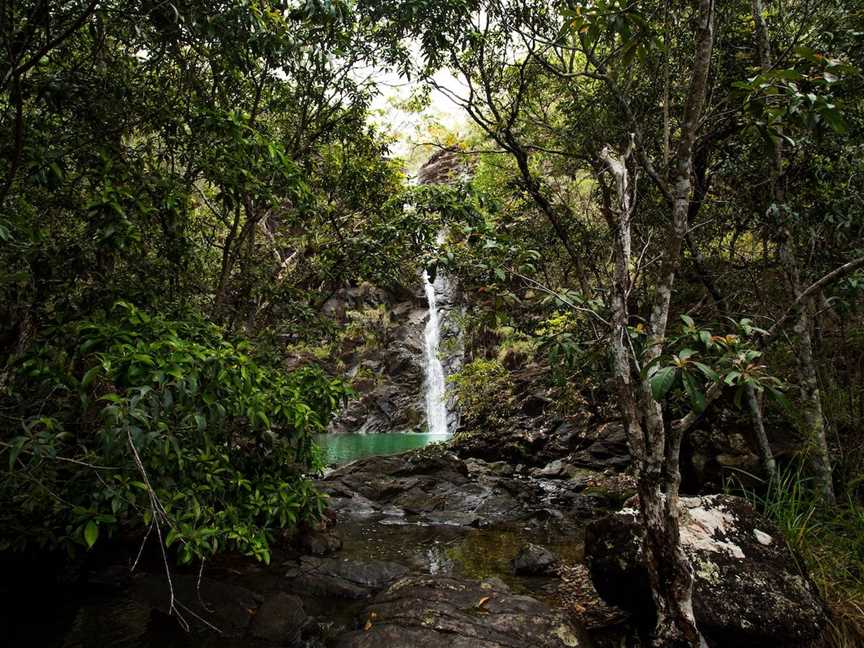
{"x": 655, "y": 448}
{"x": 811, "y": 402}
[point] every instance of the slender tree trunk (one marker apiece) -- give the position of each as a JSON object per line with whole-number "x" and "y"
{"x": 656, "y": 462}
{"x": 813, "y": 418}
{"x": 765, "y": 453}
{"x": 811, "y": 399}
{"x": 618, "y": 218}
{"x": 227, "y": 257}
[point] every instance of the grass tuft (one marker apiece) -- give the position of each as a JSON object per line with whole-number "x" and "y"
{"x": 829, "y": 541}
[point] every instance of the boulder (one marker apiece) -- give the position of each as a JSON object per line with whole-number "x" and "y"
{"x": 560, "y": 469}
{"x": 608, "y": 450}
{"x": 535, "y": 404}
{"x": 280, "y": 619}
{"x": 317, "y": 542}
{"x": 534, "y": 560}
{"x": 748, "y": 589}
{"x": 436, "y": 487}
{"x": 436, "y": 611}
{"x": 204, "y": 603}
{"x": 521, "y": 441}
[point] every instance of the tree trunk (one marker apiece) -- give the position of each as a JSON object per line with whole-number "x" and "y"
{"x": 811, "y": 399}
{"x": 765, "y": 453}
{"x": 618, "y": 219}
{"x": 814, "y": 421}
{"x": 669, "y": 569}
{"x": 655, "y": 456}
{"x": 656, "y": 451}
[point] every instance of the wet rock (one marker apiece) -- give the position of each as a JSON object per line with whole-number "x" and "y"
{"x": 535, "y": 404}
{"x": 387, "y": 375}
{"x": 319, "y": 542}
{"x": 445, "y": 165}
{"x": 522, "y": 441}
{"x": 608, "y": 450}
{"x": 280, "y": 619}
{"x": 212, "y": 603}
{"x": 564, "y": 437}
{"x": 435, "y": 611}
{"x": 748, "y": 588}
{"x": 438, "y": 488}
{"x": 347, "y": 579}
{"x": 534, "y": 560}
{"x": 560, "y": 469}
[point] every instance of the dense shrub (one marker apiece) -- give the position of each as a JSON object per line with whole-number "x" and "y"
{"x": 132, "y": 423}
{"x": 484, "y": 390}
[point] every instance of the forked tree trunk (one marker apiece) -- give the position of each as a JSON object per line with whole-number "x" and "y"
{"x": 669, "y": 570}
{"x": 655, "y": 449}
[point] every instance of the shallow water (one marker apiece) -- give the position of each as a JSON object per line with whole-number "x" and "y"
{"x": 342, "y": 448}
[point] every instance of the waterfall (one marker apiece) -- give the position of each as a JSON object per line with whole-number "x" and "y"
{"x": 436, "y": 405}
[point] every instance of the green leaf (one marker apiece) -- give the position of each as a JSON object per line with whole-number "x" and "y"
{"x": 15, "y": 449}
{"x": 91, "y": 533}
{"x": 90, "y": 375}
{"x": 697, "y": 398}
{"x": 780, "y": 398}
{"x": 731, "y": 377}
{"x": 662, "y": 381}
{"x": 707, "y": 371}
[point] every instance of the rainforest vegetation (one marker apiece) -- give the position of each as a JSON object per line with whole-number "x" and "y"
{"x": 662, "y": 207}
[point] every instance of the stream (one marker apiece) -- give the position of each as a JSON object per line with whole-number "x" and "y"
{"x": 425, "y": 513}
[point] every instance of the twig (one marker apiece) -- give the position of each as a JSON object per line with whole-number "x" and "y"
{"x": 66, "y": 459}
{"x": 158, "y": 511}
{"x": 835, "y": 274}
{"x": 141, "y": 548}
{"x": 557, "y": 295}
{"x": 198, "y": 587}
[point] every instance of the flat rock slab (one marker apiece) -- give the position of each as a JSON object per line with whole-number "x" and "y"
{"x": 445, "y": 490}
{"x": 439, "y": 611}
{"x": 339, "y": 578}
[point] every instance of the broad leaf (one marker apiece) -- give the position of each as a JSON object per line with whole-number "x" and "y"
{"x": 662, "y": 381}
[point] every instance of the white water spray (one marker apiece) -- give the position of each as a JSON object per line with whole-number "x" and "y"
{"x": 436, "y": 405}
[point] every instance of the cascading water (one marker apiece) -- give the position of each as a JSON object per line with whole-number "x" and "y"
{"x": 436, "y": 405}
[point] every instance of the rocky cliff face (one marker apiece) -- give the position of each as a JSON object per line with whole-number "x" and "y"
{"x": 388, "y": 372}
{"x": 385, "y": 363}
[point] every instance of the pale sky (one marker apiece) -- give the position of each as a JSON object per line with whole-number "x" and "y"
{"x": 411, "y": 128}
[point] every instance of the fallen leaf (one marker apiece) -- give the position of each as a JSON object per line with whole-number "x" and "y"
{"x": 483, "y": 601}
